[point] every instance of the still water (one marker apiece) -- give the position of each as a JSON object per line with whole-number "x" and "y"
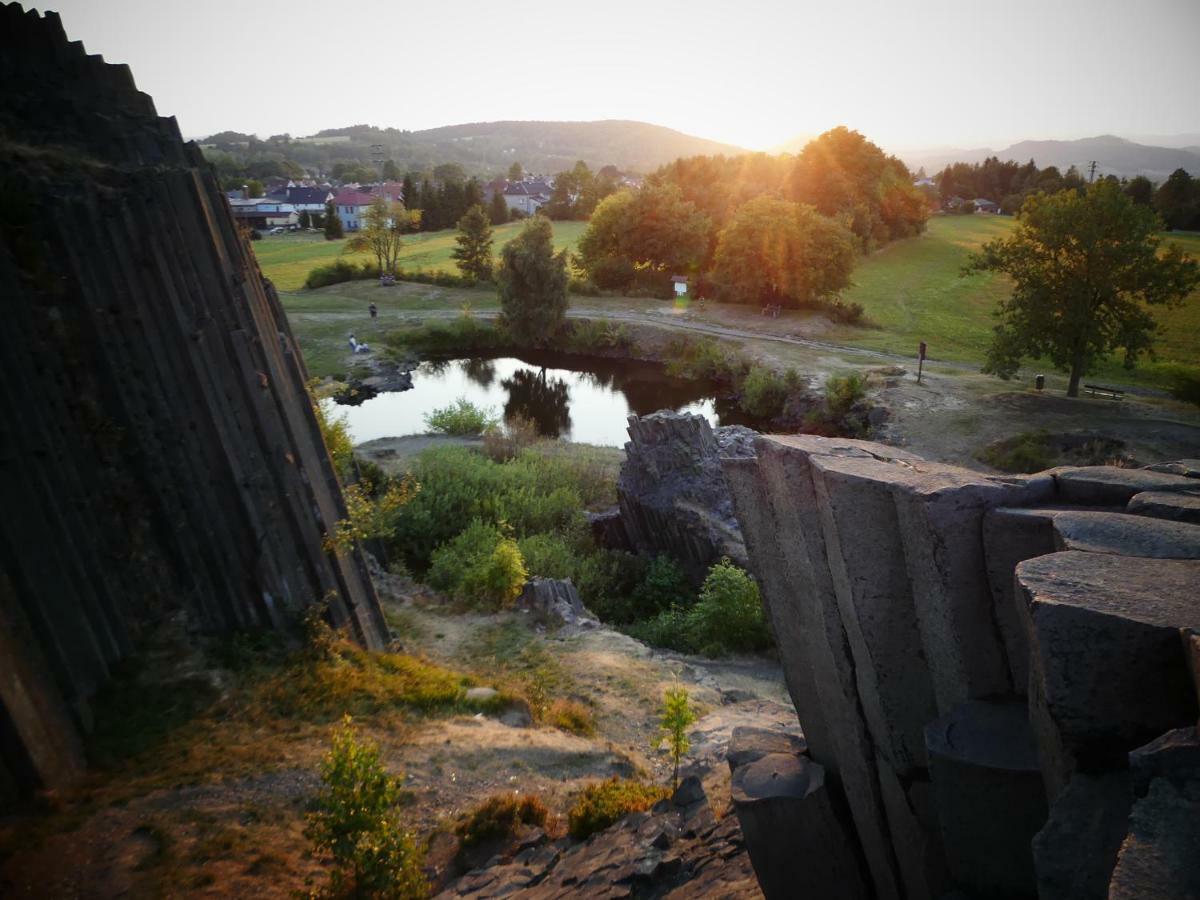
{"x": 585, "y": 399}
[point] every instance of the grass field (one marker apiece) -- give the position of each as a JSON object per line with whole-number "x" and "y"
{"x": 287, "y": 258}
{"x": 912, "y": 290}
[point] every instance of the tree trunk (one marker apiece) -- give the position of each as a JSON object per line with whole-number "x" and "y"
{"x": 1073, "y": 384}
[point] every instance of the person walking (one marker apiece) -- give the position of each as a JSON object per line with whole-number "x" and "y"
{"x": 374, "y": 311}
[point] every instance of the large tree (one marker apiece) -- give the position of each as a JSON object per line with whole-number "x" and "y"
{"x": 779, "y": 252}
{"x": 498, "y": 208}
{"x": 333, "y": 223}
{"x": 1178, "y": 201}
{"x": 1086, "y": 268}
{"x": 383, "y": 227}
{"x": 532, "y": 281}
{"x": 474, "y": 251}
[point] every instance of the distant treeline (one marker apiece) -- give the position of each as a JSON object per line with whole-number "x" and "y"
{"x": 1177, "y": 200}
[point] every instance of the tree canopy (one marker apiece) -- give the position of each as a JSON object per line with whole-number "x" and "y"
{"x": 777, "y": 252}
{"x": 381, "y": 234}
{"x": 1086, "y": 268}
{"x": 532, "y": 282}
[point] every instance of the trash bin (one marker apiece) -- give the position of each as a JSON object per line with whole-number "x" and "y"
{"x": 1039, "y": 382}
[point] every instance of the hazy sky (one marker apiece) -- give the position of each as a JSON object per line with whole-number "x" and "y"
{"x": 753, "y": 72}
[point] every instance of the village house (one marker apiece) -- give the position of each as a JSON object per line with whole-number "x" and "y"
{"x": 527, "y": 196}
{"x": 351, "y": 206}
{"x": 263, "y": 213}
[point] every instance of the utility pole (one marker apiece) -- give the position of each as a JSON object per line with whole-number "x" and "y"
{"x": 1092, "y": 171}
{"x": 377, "y": 157}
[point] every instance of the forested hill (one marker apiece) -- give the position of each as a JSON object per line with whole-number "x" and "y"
{"x": 485, "y": 148}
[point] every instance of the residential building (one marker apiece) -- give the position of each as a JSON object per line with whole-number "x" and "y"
{"x": 351, "y": 206}
{"x": 264, "y": 212}
{"x": 527, "y": 196}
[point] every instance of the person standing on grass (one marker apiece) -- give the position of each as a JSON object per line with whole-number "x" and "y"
{"x": 374, "y": 311}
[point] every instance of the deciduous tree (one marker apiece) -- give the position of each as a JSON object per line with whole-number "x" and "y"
{"x": 383, "y": 227}
{"x": 1086, "y": 268}
{"x": 474, "y": 251}
{"x": 532, "y": 281}
{"x": 776, "y": 252}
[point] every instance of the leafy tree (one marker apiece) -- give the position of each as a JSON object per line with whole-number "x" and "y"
{"x": 474, "y": 251}
{"x": 305, "y": 220}
{"x": 532, "y": 282}
{"x": 355, "y": 820}
{"x": 333, "y": 223}
{"x": 654, "y": 229}
{"x": 1178, "y": 201}
{"x": 674, "y": 719}
{"x": 776, "y": 252}
{"x": 254, "y": 188}
{"x": 391, "y": 171}
{"x": 383, "y": 226}
{"x": 515, "y": 172}
{"x": 1140, "y": 190}
{"x": 1085, "y": 268}
{"x": 498, "y": 209}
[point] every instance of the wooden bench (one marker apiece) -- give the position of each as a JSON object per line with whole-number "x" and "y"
{"x": 1097, "y": 390}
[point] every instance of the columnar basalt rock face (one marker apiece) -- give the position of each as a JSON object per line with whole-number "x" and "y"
{"x": 958, "y": 646}
{"x": 672, "y": 493}
{"x": 159, "y": 451}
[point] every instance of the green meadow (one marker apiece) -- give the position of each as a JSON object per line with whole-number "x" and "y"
{"x": 287, "y": 258}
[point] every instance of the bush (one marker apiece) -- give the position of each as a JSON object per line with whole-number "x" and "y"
{"x": 354, "y": 819}
{"x": 504, "y": 443}
{"x": 726, "y": 618}
{"x": 480, "y": 565}
{"x": 843, "y": 312}
{"x": 662, "y": 587}
{"x": 1030, "y": 451}
{"x": 583, "y": 287}
{"x": 463, "y": 335}
{"x": 765, "y": 392}
{"x": 602, "y": 803}
{"x": 460, "y": 419}
{"x": 613, "y": 274}
{"x": 338, "y": 271}
{"x": 1184, "y": 382}
{"x": 690, "y": 357}
{"x": 572, "y": 716}
{"x": 500, "y": 816}
{"x": 594, "y": 336}
{"x": 336, "y": 433}
{"x": 531, "y": 493}
{"x": 843, "y": 396}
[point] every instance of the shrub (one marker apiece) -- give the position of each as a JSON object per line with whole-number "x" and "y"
{"x": 594, "y": 336}
{"x": 504, "y": 443}
{"x": 843, "y": 396}
{"x": 674, "y": 718}
{"x": 765, "y": 392}
{"x": 612, "y": 273}
{"x": 461, "y": 419}
{"x": 463, "y": 335}
{"x": 729, "y": 614}
{"x": 1184, "y": 382}
{"x": 602, "y": 803}
{"x": 335, "y": 431}
{"x": 481, "y": 565}
{"x": 369, "y": 516}
{"x": 583, "y": 287}
{"x": 690, "y": 357}
{"x": 338, "y": 271}
{"x": 500, "y": 816}
{"x": 663, "y": 586}
{"x": 572, "y": 716}
{"x": 846, "y": 313}
{"x": 1024, "y": 453}
{"x": 354, "y": 819}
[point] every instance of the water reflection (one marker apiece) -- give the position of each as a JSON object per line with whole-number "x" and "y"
{"x": 580, "y": 399}
{"x": 542, "y": 400}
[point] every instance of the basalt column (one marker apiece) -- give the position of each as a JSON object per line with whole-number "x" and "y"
{"x": 159, "y": 455}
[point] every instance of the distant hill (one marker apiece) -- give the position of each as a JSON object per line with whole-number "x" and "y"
{"x": 793, "y": 145}
{"x": 484, "y": 148}
{"x": 1113, "y": 155}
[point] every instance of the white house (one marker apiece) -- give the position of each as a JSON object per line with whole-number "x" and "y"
{"x": 351, "y": 207}
{"x": 527, "y": 196}
{"x": 263, "y": 212}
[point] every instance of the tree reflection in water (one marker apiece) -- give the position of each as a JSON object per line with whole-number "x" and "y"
{"x": 481, "y": 371}
{"x": 544, "y": 401}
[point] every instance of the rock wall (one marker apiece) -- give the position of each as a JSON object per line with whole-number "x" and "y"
{"x": 158, "y": 452}
{"x": 980, "y": 662}
{"x": 672, "y": 493}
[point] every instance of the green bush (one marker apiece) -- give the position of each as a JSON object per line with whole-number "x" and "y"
{"x": 480, "y": 565}
{"x": 500, "y": 816}
{"x": 336, "y": 432}
{"x": 603, "y": 803}
{"x": 727, "y": 618}
{"x": 354, "y": 819}
{"x": 338, "y": 271}
{"x": 531, "y": 493}
{"x": 462, "y": 418}
{"x": 704, "y": 357}
{"x": 594, "y": 336}
{"x": 1184, "y": 381}
{"x": 765, "y": 392}
{"x": 1024, "y": 453}
{"x": 583, "y": 287}
{"x": 840, "y": 410}
{"x": 662, "y": 587}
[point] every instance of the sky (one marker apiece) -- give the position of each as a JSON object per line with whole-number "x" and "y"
{"x": 915, "y": 74}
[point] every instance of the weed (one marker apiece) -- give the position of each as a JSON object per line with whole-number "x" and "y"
{"x": 500, "y": 816}
{"x": 571, "y": 716}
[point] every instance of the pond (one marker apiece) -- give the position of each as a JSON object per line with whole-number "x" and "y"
{"x": 583, "y": 399}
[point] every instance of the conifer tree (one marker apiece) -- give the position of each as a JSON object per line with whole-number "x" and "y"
{"x": 474, "y": 251}
{"x": 498, "y": 209}
{"x": 333, "y": 223}
{"x": 532, "y": 282}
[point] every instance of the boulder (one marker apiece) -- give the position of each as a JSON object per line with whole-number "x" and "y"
{"x": 672, "y": 493}
{"x": 1189, "y": 468}
{"x": 1074, "y": 854}
{"x": 1127, "y": 535}
{"x": 798, "y": 844}
{"x": 555, "y": 602}
{"x": 1110, "y": 485}
{"x": 1105, "y": 655}
{"x": 988, "y": 794}
{"x": 1181, "y": 506}
{"x": 1174, "y": 755}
